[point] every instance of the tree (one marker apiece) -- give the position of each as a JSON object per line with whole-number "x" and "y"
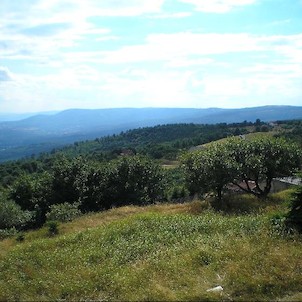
{"x": 208, "y": 169}
{"x": 11, "y": 214}
{"x": 33, "y": 193}
{"x": 69, "y": 180}
{"x": 260, "y": 161}
{"x": 241, "y": 161}
{"x": 127, "y": 180}
{"x": 134, "y": 180}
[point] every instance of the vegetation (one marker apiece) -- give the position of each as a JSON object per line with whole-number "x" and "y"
{"x": 159, "y": 252}
{"x": 81, "y": 185}
{"x": 241, "y": 162}
{"x": 159, "y": 142}
{"x": 294, "y": 217}
{"x": 63, "y": 237}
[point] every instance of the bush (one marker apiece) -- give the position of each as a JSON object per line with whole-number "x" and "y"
{"x": 294, "y": 217}
{"x": 20, "y": 237}
{"x": 5, "y": 233}
{"x": 63, "y": 212}
{"x": 52, "y": 228}
{"x": 11, "y": 215}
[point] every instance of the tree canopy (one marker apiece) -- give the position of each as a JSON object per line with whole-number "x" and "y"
{"x": 241, "y": 162}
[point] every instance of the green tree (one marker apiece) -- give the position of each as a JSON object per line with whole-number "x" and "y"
{"x": 63, "y": 212}
{"x": 11, "y": 214}
{"x": 136, "y": 180}
{"x": 33, "y": 193}
{"x": 69, "y": 179}
{"x": 240, "y": 162}
{"x": 260, "y": 161}
{"x": 209, "y": 169}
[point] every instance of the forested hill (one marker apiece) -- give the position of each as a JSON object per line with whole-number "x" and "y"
{"x": 163, "y": 142}
{"x": 44, "y": 132}
{"x": 158, "y": 142}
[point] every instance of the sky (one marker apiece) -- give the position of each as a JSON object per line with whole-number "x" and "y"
{"x": 60, "y": 54}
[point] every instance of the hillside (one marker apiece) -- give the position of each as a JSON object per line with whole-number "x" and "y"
{"x": 137, "y": 231}
{"x": 44, "y": 132}
{"x": 159, "y": 252}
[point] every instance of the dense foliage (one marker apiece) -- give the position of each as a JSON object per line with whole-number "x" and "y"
{"x": 250, "y": 165}
{"x": 125, "y": 169}
{"x": 294, "y": 217}
{"x": 93, "y": 185}
{"x": 159, "y": 142}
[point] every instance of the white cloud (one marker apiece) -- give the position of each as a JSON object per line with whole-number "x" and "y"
{"x": 218, "y": 6}
{"x": 74, "y": 60}
{"x": 171, "y": 15}
{"x": 168, "y": 47}
{"x": 102, "y": 8}
{"x": 5, "y": 74}
{"x": 175, "y": 47}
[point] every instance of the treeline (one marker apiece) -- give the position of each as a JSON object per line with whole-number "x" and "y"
{"x": 124, "y": 169}
{"x": 163, "y": 141}
{"x": 80, "y": 186}
{"x": 159, "y": 142}
{"x": 292, "y": 130}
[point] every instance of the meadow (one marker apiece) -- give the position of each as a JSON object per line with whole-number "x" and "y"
{"x": 161, "y": 252}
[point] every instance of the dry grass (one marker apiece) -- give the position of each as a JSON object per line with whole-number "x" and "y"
{"x": 161, "y": 252}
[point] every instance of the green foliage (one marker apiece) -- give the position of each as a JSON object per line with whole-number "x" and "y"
{"x": 135, "y": 180}
{"x": 294, "y": 217}
{"x": 68, "y": 180}
{"x": 52, "y": 227}
{"x": 208, "y": 169}
{"x": 63, "y": 212}
{"x": 33, "y": 193}
{"x": 35, "y": 184}
{"x": 6, "y": 233}
{"x": 20, "y": 237}
{"x": 240, "y": 161}
{"x": 11, "y": 215}
{"x": 262, "y": 159}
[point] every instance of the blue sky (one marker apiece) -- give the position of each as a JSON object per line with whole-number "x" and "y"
{"x": 59, "y": 54}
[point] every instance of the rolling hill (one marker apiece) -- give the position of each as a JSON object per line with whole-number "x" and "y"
{"x": 43, "y": 132}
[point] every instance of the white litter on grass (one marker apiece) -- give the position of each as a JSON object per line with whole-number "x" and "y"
{"x": 216, "y": 289}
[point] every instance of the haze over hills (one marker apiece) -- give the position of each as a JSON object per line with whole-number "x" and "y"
{"x": 43, "y": 132}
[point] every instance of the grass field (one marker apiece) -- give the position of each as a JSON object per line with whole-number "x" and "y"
{"x": 161, "y": 253}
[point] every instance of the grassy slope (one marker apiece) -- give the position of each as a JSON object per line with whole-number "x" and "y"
{"x": 247, "y": 136}
{"x": 160, "y": 252}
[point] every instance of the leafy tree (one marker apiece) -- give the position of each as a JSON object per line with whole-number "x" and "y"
{"x": 11, "y": 214}
{"x": 241, "y": 161}
{"x": 208, "y": 169}
{"x": 97, "y": 189}
{"x": 127, "y": 180}
{"x": 261, "y": 160}
{"x": 33, "y": 193}
{"x": 68, "y": 180}
{"x": 136, "y": 180}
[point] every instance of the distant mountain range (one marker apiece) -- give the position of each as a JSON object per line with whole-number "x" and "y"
{"x": 43, "y": 132}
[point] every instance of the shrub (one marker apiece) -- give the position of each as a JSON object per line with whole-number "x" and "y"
{"x": 63, "y": 212}
{"x": 11, "y": 215}
{"x": 5, "y": 233}
{"x": 52, "y": 228}
{"x": 20, "y": 237}
{"x": 294, "y": 217}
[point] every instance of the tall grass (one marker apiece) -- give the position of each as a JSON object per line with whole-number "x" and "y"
{"x": 154, "y": 253}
